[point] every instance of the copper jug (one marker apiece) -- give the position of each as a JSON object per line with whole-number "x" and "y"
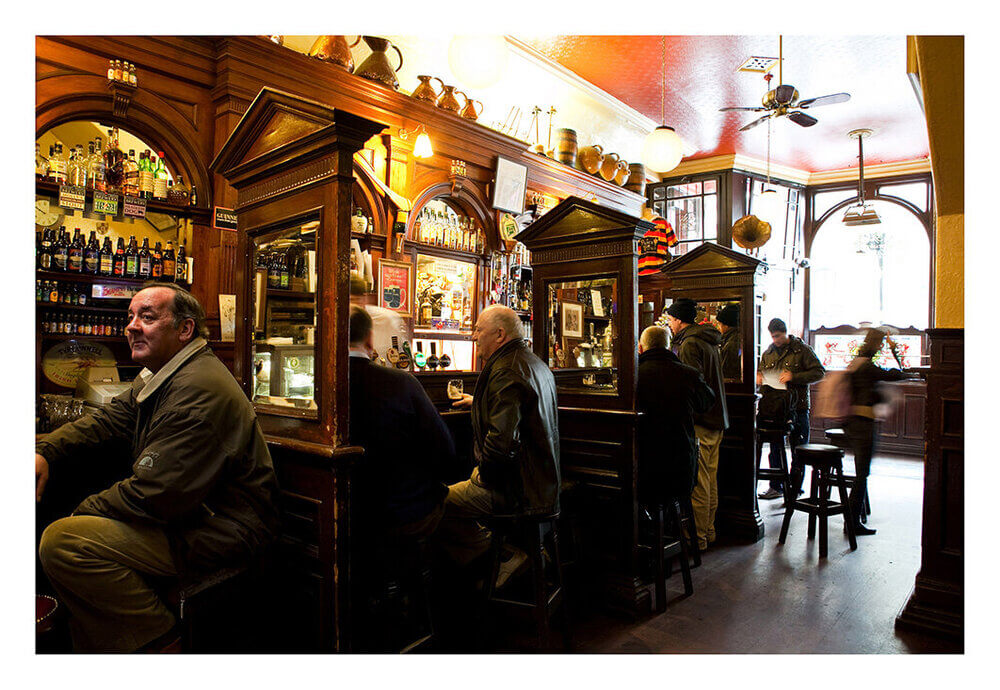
{"x": 590, "y": 159}
{"x": 334, "y": 49}
{"x": 469, "y": 111}
{"x": 447, "y": 99}
{"x": 376, "y": 66}
{"x": 609, "y": 168}
{"x": 621, "y": 176}
{"x": 424, "y": 91}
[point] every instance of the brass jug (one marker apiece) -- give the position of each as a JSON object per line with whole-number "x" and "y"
{"x": 334, "y": 49}
{"x": 469, "y": 111}
{"x": 376, "y": 66}
{"x": 590, "y": 159}
{"x": 609, "y": 168}
{"x": 424, "y": 90}
{"x": 447, "y": 99}
{"x": 621, "y": 176}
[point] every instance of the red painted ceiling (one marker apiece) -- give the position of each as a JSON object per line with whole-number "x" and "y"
{"x": 701, "y": 77}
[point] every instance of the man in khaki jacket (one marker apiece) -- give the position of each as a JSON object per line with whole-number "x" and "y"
{"x": 202, "y": 493}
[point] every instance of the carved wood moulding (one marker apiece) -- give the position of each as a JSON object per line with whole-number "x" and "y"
{"x": 594, "y": 251}
{"x": 259, "y": 191}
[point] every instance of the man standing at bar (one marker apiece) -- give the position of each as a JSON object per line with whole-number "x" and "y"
{"x": 515, "y": 436}
{"x": 729, "y": 322}
{"x": 698, "y": 346}
{"x": 799, "y": 367}
{"x": 201, "y": 496}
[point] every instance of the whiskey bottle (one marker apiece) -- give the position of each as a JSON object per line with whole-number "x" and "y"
{"x": 160, "y": 178}
{"x": 418, "y": 223}
{"x": 131, "y": 167}
{"x": 92, "y": 255}
{"x": 145, "y": 260}
{"x": 181, "y": 272}
{"x": 106, "y": 258}
{"x": 432, "y": 361}
{"x": 41, "y": 163}
{"x": 169, "y": 262}
{"x": 145, "y": 176}
{"x": 96, "y": 167}
{"x": 57, "y": 165}
{"x": 178, "y": 192}
{"x": 419, "y": 358}
{"x": 114, "y": 164}
{"x": 156, "y": 263}
{"x": 118, "y": 263}
{"x": 131, "y": 259}
{"x": 193, "y": 198}
{"x": 426, "y": 311}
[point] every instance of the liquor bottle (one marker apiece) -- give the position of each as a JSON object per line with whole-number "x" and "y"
{"x": 41, "y": 162}
{"x": 273, "y": 271}
{"x": 169, "y": 262}
{"x": 132, "y": 79}
{"x": 480, "y": 241}
{"x": 444, "y": 362}
{"x": 145, "y": 260}
{"x": 181, "y": 274}
{"x": 418, "y": 223}
{"x": 131, "y": 259}
{"x": 178, "y": 192}
{"x": 47, "y": 249}
{"x": 96, "y": 167}
{"x": 68, "y": 293}
{"x": 156, "y": 263}
{"x": 57, "y": 165}
{"x": 114, "y": 164}
{"x": 405, "y": 358}
{"x": 283, "y": 268}
{"x": 81, "y": 296}
{"x": 118, "y": 263}
{"x": 426, "y": 311}
{"x": 131, "y": 167}
{"x": 92, "y": 255}
{"x": 145, "y": 176}
{"x": 53, "y": 291}
{"x": 419, "y": 358}
{"x": 111, "y": 70}
{"x": 193, "y": 198}
{"x": 392, "y": 353}
{"x": 118, "y": 70}
{"x": 38, "y": 289}
{"x": 432, "y": 361}
{"x": 60, "y": 256}
{"x": 160, "y": 178}
{"x": 77, "y": 167}
{"x": 106, "y": 260}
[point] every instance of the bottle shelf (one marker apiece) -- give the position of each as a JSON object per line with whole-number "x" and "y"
{"x": 101, "y": 309}
{"x": 73, "y": 336}
{"x": 447, "y": 252}
{"x": 49, "y": 188}
{"x": 73, "y": 277}
{"x": 290, "y": 294}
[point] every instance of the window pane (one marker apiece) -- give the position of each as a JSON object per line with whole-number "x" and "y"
{"x": 685, "y": 217}
{"x": 684, "y": 247}
{"x": 914, "y": 192}
{"x": 824, "y": 201}
{"x": 711, "y": 222}
{"x": 710, "y": 187}
{"x": 658, "y": 192}
{"x": 658, "y": 207}
{"x": 836, "y": 351}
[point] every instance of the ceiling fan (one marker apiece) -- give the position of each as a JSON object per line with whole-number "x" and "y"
{"x": 784, "y": 101}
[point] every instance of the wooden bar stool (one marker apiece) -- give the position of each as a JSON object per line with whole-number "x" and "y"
{"x": 838, "y": 437}
{"x": 402, "y": 620}
{"x": 664, "y": 548}
{"x": 827, "y": 469}
{"x": 774, "y": 435}
{"x": 529, "y": 533}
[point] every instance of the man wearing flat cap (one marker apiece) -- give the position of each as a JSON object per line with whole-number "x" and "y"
{"x": 729, "y": 324}
{"x": 698, "y": 346}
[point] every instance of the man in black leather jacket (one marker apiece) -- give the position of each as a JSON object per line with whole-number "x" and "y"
{"x": 515, "y": 435}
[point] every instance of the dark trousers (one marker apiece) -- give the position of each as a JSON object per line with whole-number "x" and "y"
{"x": 798, "y": 436}
{"x": 861, "y": 434}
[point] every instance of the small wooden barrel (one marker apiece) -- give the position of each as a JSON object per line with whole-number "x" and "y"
{"x": 636, "y": 181}
{"x": 566, "y": 146}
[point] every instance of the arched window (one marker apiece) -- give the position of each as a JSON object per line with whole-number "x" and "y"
{"x": 875, "y": 273}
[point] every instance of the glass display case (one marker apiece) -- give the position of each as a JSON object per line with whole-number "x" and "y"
{"x": 446, "y": 294}
{"x": 582, "y": 333}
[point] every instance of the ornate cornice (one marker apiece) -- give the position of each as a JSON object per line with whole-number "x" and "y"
{"x": 600, "y": 250}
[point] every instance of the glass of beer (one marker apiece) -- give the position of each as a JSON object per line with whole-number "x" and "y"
{"x": 455, "y": 389}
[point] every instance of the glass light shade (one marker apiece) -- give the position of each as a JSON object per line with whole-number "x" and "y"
{"x": 477, "y": 61}
{"x": 661, "y": 150}
{"x": 422, "y": 146}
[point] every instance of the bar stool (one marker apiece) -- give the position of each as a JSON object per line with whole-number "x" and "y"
{"x": 838, "y": 437}
{"x": 773, "y": 433}
{"x": 188, "y": 598}
{"x": 664, "y": 549}
{"x": 828, "y": 469}
{"x": 529, "y": 533}
{"x": 402, "y": 620}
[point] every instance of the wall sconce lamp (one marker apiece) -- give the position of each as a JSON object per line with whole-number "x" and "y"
{"x": 422, "y": 146}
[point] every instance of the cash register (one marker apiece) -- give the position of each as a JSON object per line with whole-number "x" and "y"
{"x": 99, "y": 385}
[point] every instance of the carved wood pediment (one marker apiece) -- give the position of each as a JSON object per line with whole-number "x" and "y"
{"x": 281, "y": 127}
{"x": 712, "y": 258}
{"x": 575, "y": 221}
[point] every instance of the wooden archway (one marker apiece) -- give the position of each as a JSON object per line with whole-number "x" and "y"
{"x": 462, "y": 191}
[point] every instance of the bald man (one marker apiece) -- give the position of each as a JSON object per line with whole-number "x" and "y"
{"x": 515, "y": 435}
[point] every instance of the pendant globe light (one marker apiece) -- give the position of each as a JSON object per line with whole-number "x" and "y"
{"x": 662, "y": 149}
{"x": 478, "y": 61}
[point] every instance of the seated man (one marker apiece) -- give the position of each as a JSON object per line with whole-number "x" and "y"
{"x": 409, "y": 451}
{"x": 670, "y": 394}
{"x": 515, "y": 435}
{"x": 202, "y": 493}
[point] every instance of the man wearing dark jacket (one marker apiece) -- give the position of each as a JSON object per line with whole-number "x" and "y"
{"x": 698, "y": 347}
{"x": 730, "y": 352}
{"x": 202, "y": 493}
{"x": 669, "y": 394}
{"x": 798, "y": 367}
{"x": 515, "y": 436}
{"x": 409, "y": 451}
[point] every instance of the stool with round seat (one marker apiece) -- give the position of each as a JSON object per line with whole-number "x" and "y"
{"x": 773, "y": 433}
{"x": 530, "y": 533}
{"x": 838, "y": 437}
{"x": 827, "y": 470}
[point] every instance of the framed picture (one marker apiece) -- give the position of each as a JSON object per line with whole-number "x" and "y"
{"x": 510, "y": 186}
{"x": 395, "y": 286}
{"x": 571, "y": 319}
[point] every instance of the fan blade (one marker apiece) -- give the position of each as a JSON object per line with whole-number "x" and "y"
{"x": 824, "y": 100}
{"x": 755, "y": 109}
{"x": 754, "y": 123}
{"x": 802, "y": 119}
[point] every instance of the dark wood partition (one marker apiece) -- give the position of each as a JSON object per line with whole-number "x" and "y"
{"x": 712, "y": 273}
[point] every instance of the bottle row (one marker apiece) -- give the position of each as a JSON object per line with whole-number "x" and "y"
{"x": 55, "y": 251}
{"x": 441, "y": 229}
{"x": 119, "y": 70}
{"x": 58, "y": 292}
{"x": 73, "y": 323}
{"x": 114, "y": 172}
{"x": 405, "y": 358}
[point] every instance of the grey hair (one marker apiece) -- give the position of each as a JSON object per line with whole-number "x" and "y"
{"x": 505, "y": 318}
{"x": 185, "y": 306}
{"x": 653, "y": 337}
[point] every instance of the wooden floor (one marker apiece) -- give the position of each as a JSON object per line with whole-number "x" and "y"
{"x": 771, "y": 599}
